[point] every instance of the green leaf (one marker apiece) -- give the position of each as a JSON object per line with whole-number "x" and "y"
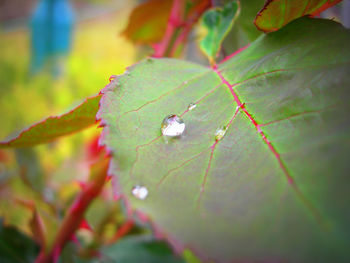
{"x": 276, "y": 14}
{"x": 218, "y": 22}
{"x": 81, "y": 117}
{"x": 139, "y": 249}
{"x": 16, "y": 247}
{"x": 275, "y": 187}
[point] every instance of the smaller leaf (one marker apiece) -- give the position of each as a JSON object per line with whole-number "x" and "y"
{"x": 147, "y": 22}
{"x": 218, "y": 22}
{"x": 51, "y": 128}
{"x": 276, "y": 14}
{"x": 139, "y": 249}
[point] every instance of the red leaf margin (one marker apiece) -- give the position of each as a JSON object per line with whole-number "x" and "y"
{"x": 53, "y": 127}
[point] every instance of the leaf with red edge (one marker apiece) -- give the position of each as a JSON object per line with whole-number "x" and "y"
{"x": 147, "y": 22}
{"x": 81, "y": 117}
{"x": 277, "y": 13}
{"x": 273, "y": 187}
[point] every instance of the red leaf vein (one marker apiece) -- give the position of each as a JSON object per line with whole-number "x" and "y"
{"x": 277, "y": 156}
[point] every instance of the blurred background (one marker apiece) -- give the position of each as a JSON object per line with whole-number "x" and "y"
{"x": 56, "y": 52}
{"x": 53, "y": 54}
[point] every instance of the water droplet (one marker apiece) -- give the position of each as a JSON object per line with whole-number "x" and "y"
{"x": 172, "y": 126}
{"x": 140, "y": 192}
{"x": 112, "y": 78}
{"x": 191, "y": 106}
{"x": 220, "y": 133}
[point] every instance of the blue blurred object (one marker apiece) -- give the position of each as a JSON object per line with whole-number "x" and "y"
{"x": 51, "y": 33}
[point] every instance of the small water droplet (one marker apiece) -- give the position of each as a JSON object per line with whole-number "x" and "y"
{"x": 191, "y": 106}
{"x": 172, "y": 126}
{"x": 140, "y": 192}
{"x": 220, "y": 133}
{"x": 112, "y": 78}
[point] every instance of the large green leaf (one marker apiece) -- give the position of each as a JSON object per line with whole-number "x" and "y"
{"x": 79, "y": 118}
{"x": 275, "y": 187}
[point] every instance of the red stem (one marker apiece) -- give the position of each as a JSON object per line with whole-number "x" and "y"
{"x": 182, "y": 38}
{"x": 75, "y": 214}
{"x": 175, "y": 16}
{"x": 178, "y": 28}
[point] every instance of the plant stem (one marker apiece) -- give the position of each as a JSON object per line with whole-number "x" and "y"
{"x": 186, "y": 28}
{"x": 161, "y": 48}
{"x": 76, "y": 212}
{"x": 179, "y": 26}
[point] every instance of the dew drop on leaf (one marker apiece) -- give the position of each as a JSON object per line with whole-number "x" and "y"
{"x": 220, "y": 133}
{"x": 172, "y": 126}
{"x": 191, "y": 106}
{"x": 140, "y": 192}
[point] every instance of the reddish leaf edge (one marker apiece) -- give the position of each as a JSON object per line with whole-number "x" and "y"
{"x": 11, "y": 143}
{"x": 315, "y": 13}
{"x": 324, "y": 7}
{"x": 267, "y": 3}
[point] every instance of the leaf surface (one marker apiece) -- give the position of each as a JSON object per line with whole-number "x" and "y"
{"x": 277, "y": 13}
{"x": 275, "y": 187}
{"x": 218, "y": 22}
{"x": 81, "y": 117}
